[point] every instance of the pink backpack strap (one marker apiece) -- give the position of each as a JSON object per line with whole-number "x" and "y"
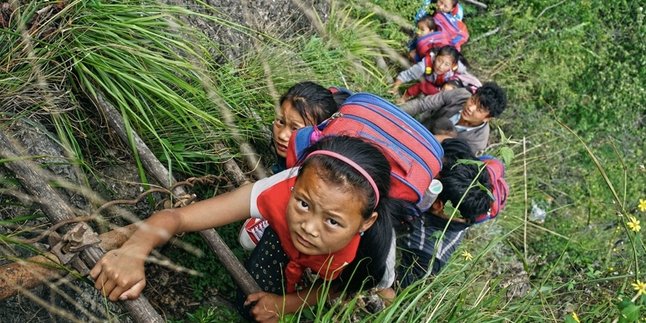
{"x": 499, "y": 188}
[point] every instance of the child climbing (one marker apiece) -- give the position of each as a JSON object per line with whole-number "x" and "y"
{"x": 304, "y": 104}
{"x": 450, "y": 7}
{"x": 434, "y": 70}
{"x": 462, "y": 186}
{"x": 427, "y": 38}
{"x": 448, "y": 20}
{"x": 469, "y": 112}
{"x": 447, "y": 17}
{"x": 330, "y": 215}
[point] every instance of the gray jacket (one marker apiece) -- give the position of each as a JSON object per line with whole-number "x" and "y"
{"x": 447, "y": 104}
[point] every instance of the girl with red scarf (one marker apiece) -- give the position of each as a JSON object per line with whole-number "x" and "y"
{"x": 330, "y": 217}
{"x": 438, "y": 67}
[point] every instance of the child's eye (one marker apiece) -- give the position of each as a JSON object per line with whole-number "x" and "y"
{"x": 279, "y": 123}
{"x": 303, "y": 205}
{"x": 333, "y": 222}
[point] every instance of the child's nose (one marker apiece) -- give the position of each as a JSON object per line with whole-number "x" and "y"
{"x": 309, "y": 227}
{"x": 284, "y": 133}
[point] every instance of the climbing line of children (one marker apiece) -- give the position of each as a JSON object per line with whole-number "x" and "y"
{"x": 350, "y": 201}
{"x": 436, "y": 52}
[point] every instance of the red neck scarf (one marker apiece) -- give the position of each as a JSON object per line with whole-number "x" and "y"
{"x": 434, "y": 78}
{"x": 273, "y": 206}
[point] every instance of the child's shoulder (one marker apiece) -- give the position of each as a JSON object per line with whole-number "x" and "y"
{"x": 270, "y": 195}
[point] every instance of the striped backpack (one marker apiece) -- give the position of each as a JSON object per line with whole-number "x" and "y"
{"x": 415, "y": 156}
{"x": 456, "y": 30}
{"x": 424, "y": 44}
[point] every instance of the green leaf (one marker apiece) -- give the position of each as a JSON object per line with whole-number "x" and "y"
{"x": 469, "y": 162}
{"x": 629, "y": 314}
{"x": 506, "y": 155}
{"x": 623, "y": 304}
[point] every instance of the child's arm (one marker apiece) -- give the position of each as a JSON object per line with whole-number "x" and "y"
{"x": 413, "y": 73}
{"x": 428, "y": 104}
{"x": 120, "y": 273}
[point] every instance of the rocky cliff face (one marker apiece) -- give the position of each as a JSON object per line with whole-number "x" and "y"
{"x": 278, "y": 18}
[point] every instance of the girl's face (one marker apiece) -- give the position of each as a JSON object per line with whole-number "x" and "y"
{"x": 422, "y": 28}
{"x": 323, "y": 217}
{"x": 445, "y": 5}
{"x": 287, "y": 121}
{"x": 443, "y": 64}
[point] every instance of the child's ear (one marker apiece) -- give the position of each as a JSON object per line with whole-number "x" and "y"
{"x": 367, "y": 223}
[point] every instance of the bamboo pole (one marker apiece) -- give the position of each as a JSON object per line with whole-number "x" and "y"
{"x": 154, "y": 166}
{"x": 31, "y": 272}
{"x": 35, "y": 180}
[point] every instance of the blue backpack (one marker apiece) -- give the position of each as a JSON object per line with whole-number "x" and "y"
{"x": 415, "y": 156}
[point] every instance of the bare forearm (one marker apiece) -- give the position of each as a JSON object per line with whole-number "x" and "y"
{"x": 214, "y": 212}
{"x": 154, "y": 231}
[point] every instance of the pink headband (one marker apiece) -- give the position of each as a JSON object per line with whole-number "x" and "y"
{"x": 353, "y": 165}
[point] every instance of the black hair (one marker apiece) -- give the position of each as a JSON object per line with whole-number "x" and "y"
{"x": 369, "y": 264}
{"x": 449, "y": 50}
{"x": 441, "y": 126}
{"x": 492, "y": 97}
{"x": 340, "y": 94}
{"x": 311, "y": 100}
{"x": 456, "y": 177}
{"x": 428, "y": 21}
{"x": 454, "y": 149}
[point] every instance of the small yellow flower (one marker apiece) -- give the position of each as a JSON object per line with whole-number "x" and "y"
{"x": 633, "y": 224}
{"x": 642, "y": 205}
{"x": 575, "y": 317}
{"x": 467, "y": 255}
{"x": 639, "y": 287}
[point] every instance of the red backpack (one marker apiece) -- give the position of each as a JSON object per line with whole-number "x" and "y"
{"x": 426, "y": 43}
{"x": 415, "y": 156}
{"x": 456, "y": 30}
{"x": 499, "y": 188}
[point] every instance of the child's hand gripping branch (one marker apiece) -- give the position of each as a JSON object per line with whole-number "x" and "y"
{"x": 120, "y": 273}
{"x": 327, "y": 216}
{"x": 268, "y": 307}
